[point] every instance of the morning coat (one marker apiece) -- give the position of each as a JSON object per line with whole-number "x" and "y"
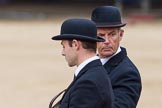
{"x": 90, "y": 89}
{"x": 125, "y": 80}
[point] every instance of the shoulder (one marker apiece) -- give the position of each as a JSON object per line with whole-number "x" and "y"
{"x": 96, "y": 75}
{"x": 125, "y": 72}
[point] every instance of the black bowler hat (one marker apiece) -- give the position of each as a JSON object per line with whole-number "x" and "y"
{"x": 107, "y": 16}
{"x": 81, "y": 29}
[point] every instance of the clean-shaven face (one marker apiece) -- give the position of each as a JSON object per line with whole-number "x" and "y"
{"x": 69, "y": 53}
{"x": 112, "y": 38}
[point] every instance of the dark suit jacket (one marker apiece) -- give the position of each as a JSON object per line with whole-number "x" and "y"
{"x": 125, "y": 80}
{"x": 90, "y": 89}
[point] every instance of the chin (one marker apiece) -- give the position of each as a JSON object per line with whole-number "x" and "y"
{"x": 71, "y": 65}
{"x": 108, "y": 54}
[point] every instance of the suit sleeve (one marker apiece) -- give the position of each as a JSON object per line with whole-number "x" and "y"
{"x": 127, "y": 90}
{"x": 85, "y": 95}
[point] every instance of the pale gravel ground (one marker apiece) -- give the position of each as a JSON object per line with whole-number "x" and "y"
{"x": 33, "y": 71}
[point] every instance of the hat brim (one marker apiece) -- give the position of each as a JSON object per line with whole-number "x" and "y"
{"x": 79, "y": 37}
{"x": 110, "y": 25}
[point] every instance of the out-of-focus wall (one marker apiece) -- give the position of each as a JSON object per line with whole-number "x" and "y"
{"x": 153, "y": 4}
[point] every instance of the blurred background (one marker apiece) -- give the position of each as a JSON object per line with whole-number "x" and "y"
{"x": 32, "y": 68}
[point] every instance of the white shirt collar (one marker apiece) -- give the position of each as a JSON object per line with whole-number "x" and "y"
{"x": 84, "y": 63}
{"x": 104, "y": 60}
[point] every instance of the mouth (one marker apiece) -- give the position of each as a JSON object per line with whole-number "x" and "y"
{"x": 107, "y": 49}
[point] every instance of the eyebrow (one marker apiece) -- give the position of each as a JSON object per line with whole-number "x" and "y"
{"x": 102, "y": 34}
{"x": 111, "y": 32}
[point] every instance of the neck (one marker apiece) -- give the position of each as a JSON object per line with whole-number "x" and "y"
{"x": 84, "y": 56}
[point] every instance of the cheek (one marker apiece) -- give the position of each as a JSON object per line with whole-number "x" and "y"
{"x": 115, "y": 40}
{"x": 116, "y": 43}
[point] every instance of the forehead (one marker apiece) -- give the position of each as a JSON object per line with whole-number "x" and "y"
{"x": 64, "y": 42}
{"x": 107, "y": 29}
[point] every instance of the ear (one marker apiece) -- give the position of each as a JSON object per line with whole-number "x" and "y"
{"x": 75, "y": 44}
{"x": 121, "y": 33}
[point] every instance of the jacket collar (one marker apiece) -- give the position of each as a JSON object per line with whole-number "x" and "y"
{"x": 91, "y": 64}
{"x": 115, "y": 60}
{"x": 83, "y": 64}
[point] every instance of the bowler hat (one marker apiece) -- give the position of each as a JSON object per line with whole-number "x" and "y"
{"x": 107, "y": 16}
{"x": 81, "y": 29}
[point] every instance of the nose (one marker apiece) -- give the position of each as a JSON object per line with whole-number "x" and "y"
{"x": 106, "y": 39}
{"x": 62, "y": 53}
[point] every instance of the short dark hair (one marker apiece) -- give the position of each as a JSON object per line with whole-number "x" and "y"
{"x": 92, "y": 46}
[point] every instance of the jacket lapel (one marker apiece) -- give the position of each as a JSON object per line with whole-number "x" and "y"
{"x": 114, "y": 61}
{"x": 83, "y": 71}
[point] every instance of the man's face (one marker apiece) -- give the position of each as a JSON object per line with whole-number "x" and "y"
{"x": 112, "y": 38}
{"x": 69, "y": 53}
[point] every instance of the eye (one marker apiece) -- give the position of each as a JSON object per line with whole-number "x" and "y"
{"x": 112, "y": 34}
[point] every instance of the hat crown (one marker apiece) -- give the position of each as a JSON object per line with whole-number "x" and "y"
{"x": 107, "y": 16}
{"x": 79, "y": 27}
